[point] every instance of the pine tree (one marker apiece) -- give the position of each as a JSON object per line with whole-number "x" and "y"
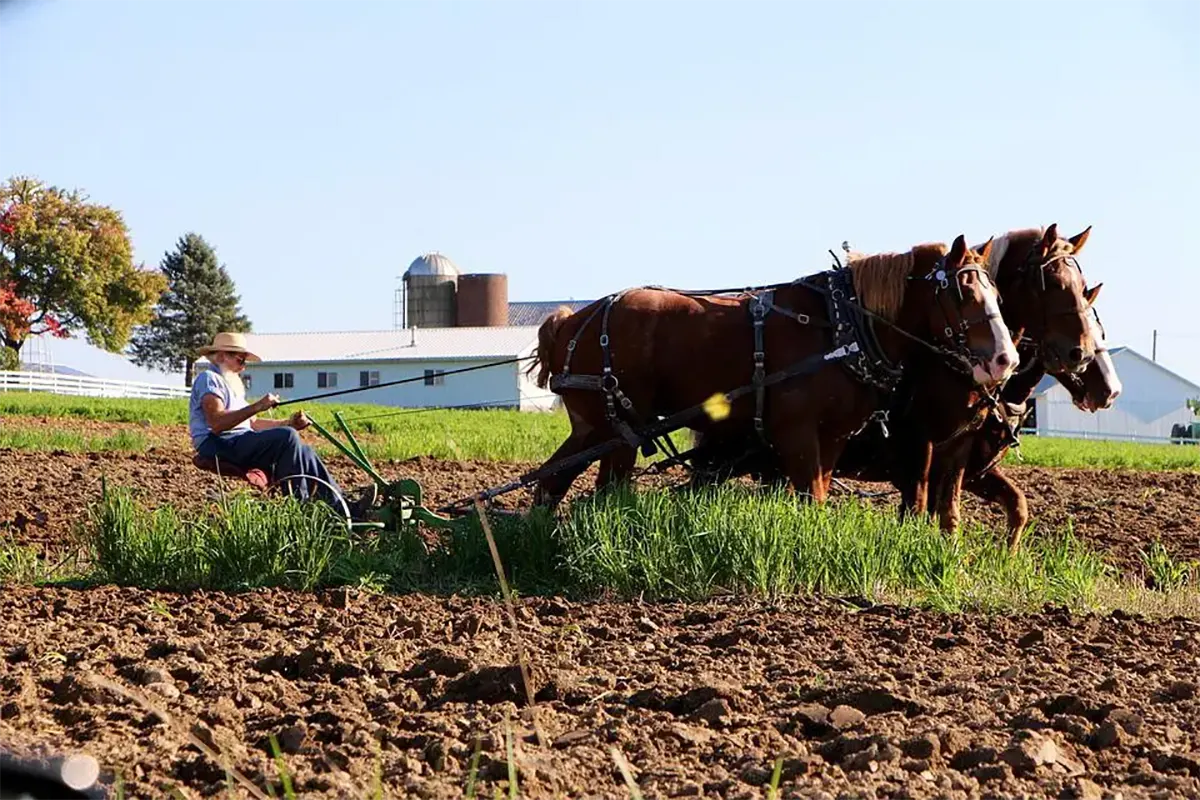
{"x": 199, "y": 302}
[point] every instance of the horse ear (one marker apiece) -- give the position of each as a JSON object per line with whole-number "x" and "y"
{"x": 958, "y": 251}
{"x": 985, "y": 250}
{"x": 1077, "y": 241}
{"x": 1050, "y": 236}
{"x": 1091, "y": 294}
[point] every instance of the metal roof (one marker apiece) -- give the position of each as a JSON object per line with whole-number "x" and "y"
{"x": 533, "y": 313}
{"x": 432, "y": 264}
{"x": 411, "y": 344}
{"x": 1048, "y": 382}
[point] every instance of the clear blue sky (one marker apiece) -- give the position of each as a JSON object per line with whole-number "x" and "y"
{"x": 586, "y": 147}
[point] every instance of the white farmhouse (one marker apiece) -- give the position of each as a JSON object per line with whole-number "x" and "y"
{"x": 302, "y": 364}
{"x": 1152, "y": 400}
{"x": 443, "y": 320}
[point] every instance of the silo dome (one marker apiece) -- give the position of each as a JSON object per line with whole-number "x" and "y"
{"x": 432, "y": 264}
{"x": 430, "y": 284}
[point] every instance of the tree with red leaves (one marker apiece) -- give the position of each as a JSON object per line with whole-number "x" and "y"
{"x": 66, "y": 266}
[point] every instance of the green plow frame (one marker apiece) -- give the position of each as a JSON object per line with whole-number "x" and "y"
{"x": 402, "y": 506}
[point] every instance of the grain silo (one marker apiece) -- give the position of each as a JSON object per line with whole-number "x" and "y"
{"x": 482, "y": 300}
{"x": 429, "y": 286}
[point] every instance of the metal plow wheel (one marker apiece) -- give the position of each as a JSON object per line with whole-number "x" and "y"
{"x": 399, "y": 503}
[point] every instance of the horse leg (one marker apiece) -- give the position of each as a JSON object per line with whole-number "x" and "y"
{"x": 616, "y": 467}
{"x": 946, "y": 478}
{"x": 553, "y": 488}
{"x": 995, "y": 487}
{"x": 800, "y": 459}
{"x": 948, "y": 493}
{"x": 912, "y": 479}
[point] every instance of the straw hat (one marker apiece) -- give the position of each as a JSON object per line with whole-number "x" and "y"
{"x": 230, "y": 343}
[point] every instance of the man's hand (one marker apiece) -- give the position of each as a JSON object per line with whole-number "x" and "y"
{"x": 265, "y": 403}
{"x": 299, "y": 421}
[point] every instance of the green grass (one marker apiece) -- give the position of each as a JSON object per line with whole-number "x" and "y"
{"x": 240, "y": 543}
{"x": 653, "y": 544}
{"x": 740, "y": 541}
{"x": 108, "y": 409}
{"x": 40, "y": 439}
{"x": 1055, "y": 452}
{"x": 489, "y": 435}
{"x": 20, "y": 564}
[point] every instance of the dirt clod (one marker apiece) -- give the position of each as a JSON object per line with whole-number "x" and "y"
{"x": 846, "y": 717}
{"x": 1082, "y": 789}
{"x": 923, "y": 747}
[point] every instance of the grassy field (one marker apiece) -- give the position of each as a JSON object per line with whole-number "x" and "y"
{"x": 652, "y": 544}
{"x": 39, "y": 439}
{"x": 495, "y": 435}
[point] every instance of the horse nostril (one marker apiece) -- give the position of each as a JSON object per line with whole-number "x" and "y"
{"x": 1076, "y": 354}
{"x": 1003, "y": 360}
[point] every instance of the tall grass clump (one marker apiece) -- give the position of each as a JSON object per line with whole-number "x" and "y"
{"x": 734, "y": 540}
{"x": 19, "y": 563}
{"x": 246, "y": 541}
{"x": 240, "y": 543}
{"x": 654, "y": 544}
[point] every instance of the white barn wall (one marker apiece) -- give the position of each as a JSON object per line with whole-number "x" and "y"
{"x": 1152, "y": 400}
{"x": 532, "y": 397}
{"x": 497, "y": 384}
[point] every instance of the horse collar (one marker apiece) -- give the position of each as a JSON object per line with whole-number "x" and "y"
{"x": 870, "y": 364}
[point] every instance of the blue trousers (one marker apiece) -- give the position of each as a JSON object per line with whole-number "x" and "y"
{"x": 278, "y": 451}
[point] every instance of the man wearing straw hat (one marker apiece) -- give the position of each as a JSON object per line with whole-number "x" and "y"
{"x": 222, "y": 425}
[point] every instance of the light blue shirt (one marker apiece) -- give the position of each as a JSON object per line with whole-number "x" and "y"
{"x": 209, "y": 381}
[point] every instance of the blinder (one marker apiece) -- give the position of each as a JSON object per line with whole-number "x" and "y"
{"x": 957, "y": 333}
{"x": 1034, "y": 263}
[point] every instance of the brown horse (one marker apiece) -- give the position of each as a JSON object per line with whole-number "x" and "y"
{"x": 1049, "y": 307}
{"x": 1095, "y": 389}
{"x": 626, "y": 359}
{"x": 934, "y": 414}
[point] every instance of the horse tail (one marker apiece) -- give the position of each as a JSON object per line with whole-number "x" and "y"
{"x": 546, "y": 336}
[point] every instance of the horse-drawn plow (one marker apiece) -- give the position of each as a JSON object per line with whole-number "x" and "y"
{"x": 797, "y": 640}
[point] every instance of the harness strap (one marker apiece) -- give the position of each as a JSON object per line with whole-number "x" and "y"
{"x": 591, "y": 383}
{"x": 850, "y": 324}
{"x": 662, "y": 427}
{"x": 758, "y": 314}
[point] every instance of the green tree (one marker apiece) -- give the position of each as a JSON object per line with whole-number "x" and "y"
{"x": 66, "y": 266}
{"x": 200, "y": 301}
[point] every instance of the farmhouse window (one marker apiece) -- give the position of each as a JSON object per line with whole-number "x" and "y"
{"x": 434, "y": 377}
{"x": 284, "y": 380}
{"x": 368, "y": 378}
{"x": 326, "y": 380}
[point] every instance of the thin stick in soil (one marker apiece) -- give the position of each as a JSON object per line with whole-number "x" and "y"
{"x": 217, "y": 758}
{"x": 512, "y": 617}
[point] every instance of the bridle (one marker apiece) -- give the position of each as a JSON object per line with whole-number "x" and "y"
{"x": 956, "y": 329}
{"x": 1076, "y": 379}
{"x": 1034, "y": 263}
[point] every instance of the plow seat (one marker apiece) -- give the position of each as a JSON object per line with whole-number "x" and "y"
{"x": 254, "y": 476}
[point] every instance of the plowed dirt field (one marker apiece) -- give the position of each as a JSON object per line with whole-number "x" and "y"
{"x": 700, "y": 699}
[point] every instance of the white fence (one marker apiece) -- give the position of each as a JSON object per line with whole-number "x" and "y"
{"x": 1105, "y": 436}
{"x": 84, "y": 387}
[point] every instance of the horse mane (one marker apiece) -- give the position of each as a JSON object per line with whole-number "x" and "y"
{"x": 880, "y": 280}
{"x": 1002, "y": 243}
